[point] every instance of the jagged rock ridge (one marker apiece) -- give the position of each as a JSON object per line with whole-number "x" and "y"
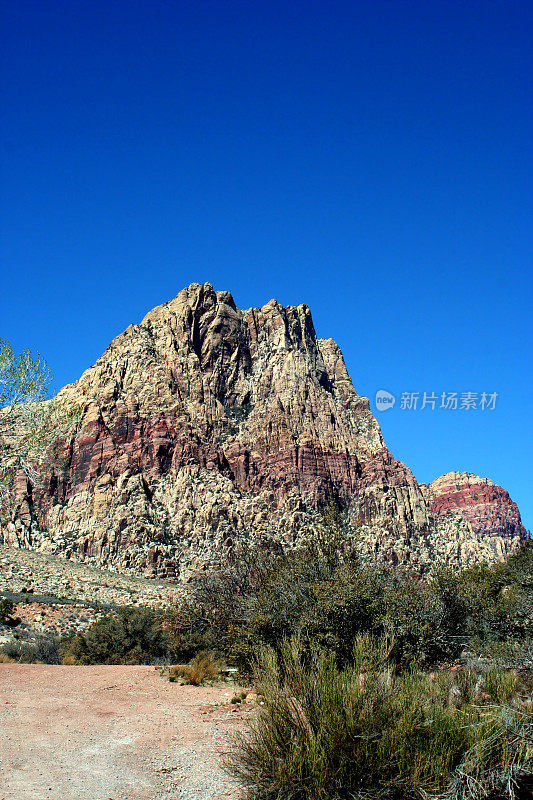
{"x": 205, "y": 426}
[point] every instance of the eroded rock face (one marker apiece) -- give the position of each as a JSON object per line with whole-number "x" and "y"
{"x": 486, "y": 507}
{"x": 205, "y": 426}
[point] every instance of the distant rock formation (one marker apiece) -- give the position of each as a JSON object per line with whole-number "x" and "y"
{"x": 486, "y": 507}
{"x": 206, "y": 426}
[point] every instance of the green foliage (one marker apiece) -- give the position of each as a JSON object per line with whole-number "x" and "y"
{"x": 30, "y": 425}
{"x": 493, "y": 605}
{"x": 239, "y": 414}
{"x": 216, "y": 614}
{"x": 23, "y": 377}
{"x": 323, "y": 594}
{"x": 239, "y": 698}
{"x": 129, "y": 636}
{"x": 6, "y": 610}
{"x": 236, "y": 415}
{"x": 331, "y": 603}
{"x": 418, "y": 622}
{"x": 363, "y": 731}
{"x": 42, "y": 650}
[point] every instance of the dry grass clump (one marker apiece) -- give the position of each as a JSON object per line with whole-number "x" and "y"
{"x": 6, "y": 659}
{"x": 203, "y": 668}
{"x": 239, "y": 698}
{"x": 366, "y": 732}
{"x": 499, "y": 764}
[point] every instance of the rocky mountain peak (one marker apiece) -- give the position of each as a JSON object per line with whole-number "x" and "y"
{"x": 206, "y": 426}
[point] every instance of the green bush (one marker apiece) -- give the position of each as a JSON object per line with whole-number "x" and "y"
{"x": 332, "y": 603}
{"x": 324, "y": 594}
{"x": 42, "y": 650}
{"x": 6, "y": 610}
{"x": 419, "y": 623}
{"x": 326, "y": 733}
{"x": 216, "y": 613}
{"x": 129, "y": 636}
{"x": 493, "y": 606}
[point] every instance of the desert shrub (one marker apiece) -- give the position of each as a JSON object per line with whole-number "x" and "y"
{"x": 283, "y": 605}
{"x": 508, "y": 653}
{"x": 239, "y": 698}
{"x": 332, "y": 603}
{"x": 203, "y": 668}
{"x": 46, "y": 649}
{"x": 495, "y": 600}
{"x": 5, "y": 659}
{"x": 301, "y": 592}
{"x": 208, "y": 617}
{"x": 307, "y": 596}
{"x": 493, "y": 608}
{"x": 499, "y": 764}
{"x": 364, "y": 731}
{"x": 23, "y": 652}
{"x": 215, "y": 615}
{"x": 259, "y": 596}
{"x": 6, "y": 610}
{"x": 42, "y": 650}
{"x": 324, "y": 594}
{"x": 422, "y": 628}
{"x": 11, "y": 650}
{"x": 129, "y": 636}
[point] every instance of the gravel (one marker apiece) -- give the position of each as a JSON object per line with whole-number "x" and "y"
{"x": 113, "y": 733}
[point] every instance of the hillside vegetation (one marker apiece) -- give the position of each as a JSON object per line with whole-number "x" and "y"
{"x": 376, "y": 682}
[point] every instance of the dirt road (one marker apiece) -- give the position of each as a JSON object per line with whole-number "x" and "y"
{"x": 112, "y": 733}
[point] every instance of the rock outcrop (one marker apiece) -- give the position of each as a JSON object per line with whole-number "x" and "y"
{"x": 206, "y": 426}
{"x": 484, "y": 506}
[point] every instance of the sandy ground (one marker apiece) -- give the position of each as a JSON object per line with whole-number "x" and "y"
{"x": 112, "y": 733}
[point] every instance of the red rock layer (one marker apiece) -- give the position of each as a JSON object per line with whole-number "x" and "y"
{"x": 486, "y": 507}
{"x": 205, "y": 423}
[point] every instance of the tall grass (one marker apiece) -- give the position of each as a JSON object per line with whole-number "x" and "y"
{"x": 201, "y": 669}
{"x": 365, "y": 732}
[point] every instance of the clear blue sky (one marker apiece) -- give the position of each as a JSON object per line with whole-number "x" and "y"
{"x": 368, "y": 158}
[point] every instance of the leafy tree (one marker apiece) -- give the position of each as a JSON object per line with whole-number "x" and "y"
{"x": 30, "y": 424}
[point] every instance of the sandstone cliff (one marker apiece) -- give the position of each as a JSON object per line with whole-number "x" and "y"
{"x": 486, "y": 508}
{"x": 205, "y": 426}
